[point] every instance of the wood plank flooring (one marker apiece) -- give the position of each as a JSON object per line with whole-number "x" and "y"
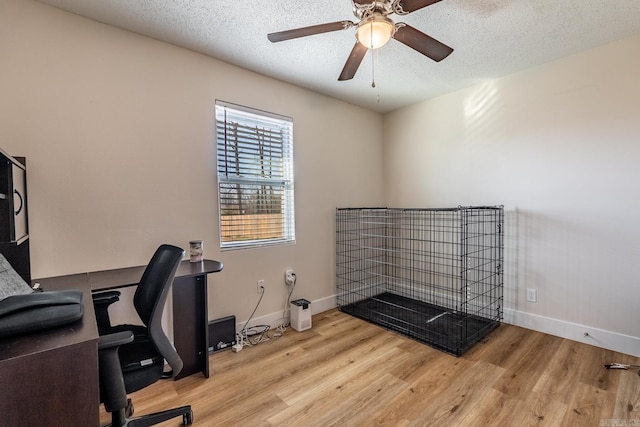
{"x": 347, "y": 372}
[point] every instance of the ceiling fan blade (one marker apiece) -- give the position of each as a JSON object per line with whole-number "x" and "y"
{"x": 421, "y": 42}
{"x": 408, "y": 6}
{"x": 309, "y": 31}
{"x": 353, "y": 62}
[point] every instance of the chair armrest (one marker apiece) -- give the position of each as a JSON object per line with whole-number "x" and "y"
{"x": 101, "y": 303}
{"x": 112, "y": 390}
{"x": 105, "y": 298}
{"x": 114, "y": 340}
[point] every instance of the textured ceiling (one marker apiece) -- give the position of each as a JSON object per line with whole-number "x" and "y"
{"x": 491, "y": 38}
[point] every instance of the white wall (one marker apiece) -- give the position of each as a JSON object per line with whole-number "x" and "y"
{"x": 118, "y": 134}
{"x": 559, "y": 146}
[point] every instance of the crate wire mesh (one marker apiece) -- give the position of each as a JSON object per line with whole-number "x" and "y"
{"x": 434, "y": 275}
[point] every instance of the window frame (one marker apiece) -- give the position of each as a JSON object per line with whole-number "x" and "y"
{"x": 227, "y": 176}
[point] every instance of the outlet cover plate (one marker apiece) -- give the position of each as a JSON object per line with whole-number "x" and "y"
{"x": 532, "y": 295}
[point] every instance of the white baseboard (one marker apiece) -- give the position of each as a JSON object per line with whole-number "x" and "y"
{"x": 597, "y": 337}
{"x": 275, "y": 319}
{"x": 585, "y": 334}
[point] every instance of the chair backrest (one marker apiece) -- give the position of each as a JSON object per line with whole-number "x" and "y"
{"x": 151, "y": 296}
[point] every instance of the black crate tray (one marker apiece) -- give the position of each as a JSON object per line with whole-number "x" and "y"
{"x": 441, "y": 328}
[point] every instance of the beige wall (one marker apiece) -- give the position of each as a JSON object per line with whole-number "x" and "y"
{"x": 559, "y": 146}
{"x": 118, "y": 134}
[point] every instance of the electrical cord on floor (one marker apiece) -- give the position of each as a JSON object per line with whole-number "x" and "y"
{"x": 257, "y": 334}
{"x": 253, "y": 335}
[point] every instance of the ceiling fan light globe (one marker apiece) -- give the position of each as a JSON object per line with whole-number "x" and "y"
{"x": 375, "y": 31}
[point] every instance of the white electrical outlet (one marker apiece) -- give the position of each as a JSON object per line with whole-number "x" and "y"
{"x": 260, "y": 286}
{"x": 532, "y": 295}
{"x": 290, "y": 277}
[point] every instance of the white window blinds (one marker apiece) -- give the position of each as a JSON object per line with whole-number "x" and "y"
{"x": 255, "y": 177}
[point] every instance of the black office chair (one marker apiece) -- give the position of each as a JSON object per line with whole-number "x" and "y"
{"x": 132, "y": 357}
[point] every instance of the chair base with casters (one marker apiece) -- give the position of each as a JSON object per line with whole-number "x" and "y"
{"x": 114, "y": 395}
{"x": 132, "y": 357}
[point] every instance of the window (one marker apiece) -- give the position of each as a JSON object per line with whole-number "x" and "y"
{"x": 255, "y": 177}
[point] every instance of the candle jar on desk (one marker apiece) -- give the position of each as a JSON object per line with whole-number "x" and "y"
{"x": 195, "y": 251}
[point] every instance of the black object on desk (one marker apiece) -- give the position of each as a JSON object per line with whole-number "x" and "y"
{"x": 20, "y": 314}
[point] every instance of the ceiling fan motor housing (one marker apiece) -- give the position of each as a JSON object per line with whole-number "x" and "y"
{"x": 364, "y": 10}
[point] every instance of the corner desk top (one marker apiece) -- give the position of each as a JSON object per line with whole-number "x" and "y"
{"x": 123, "y": 277}
{"x": 85, "y": 329}
{"x": 130, "y": 276}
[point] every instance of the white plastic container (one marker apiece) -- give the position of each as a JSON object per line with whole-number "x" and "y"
{"x": 301, "y": 315}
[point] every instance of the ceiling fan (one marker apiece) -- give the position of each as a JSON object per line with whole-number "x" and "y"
{"x": 374, "y": 30}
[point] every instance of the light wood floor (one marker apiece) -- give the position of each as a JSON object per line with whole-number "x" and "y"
{"x": 347, "y": 372}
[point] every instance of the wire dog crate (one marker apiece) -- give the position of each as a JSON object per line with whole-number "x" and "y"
{"x": 434, "y": 275}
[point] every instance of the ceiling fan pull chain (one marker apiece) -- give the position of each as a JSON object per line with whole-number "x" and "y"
{"x": 374, "y": 60}
{"x": 373, "y": 68}
{"x": 373, "y": 52}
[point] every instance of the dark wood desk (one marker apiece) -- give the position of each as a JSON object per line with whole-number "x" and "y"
{"x": 51, "y": 377}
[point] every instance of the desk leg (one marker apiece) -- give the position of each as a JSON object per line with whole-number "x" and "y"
{"x": 190, "y": 332}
